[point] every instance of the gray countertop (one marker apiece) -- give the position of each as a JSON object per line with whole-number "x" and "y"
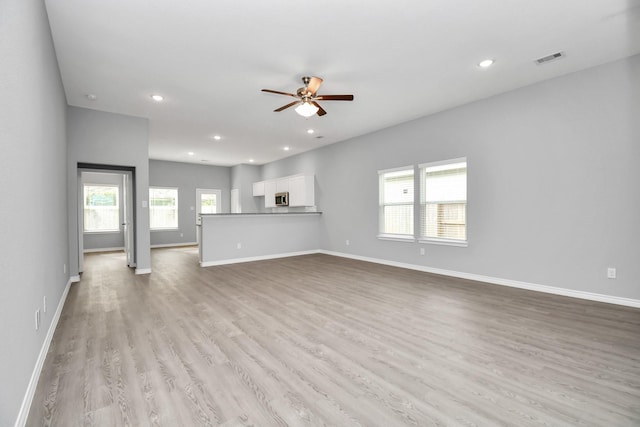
{"x": 262, "y": 214}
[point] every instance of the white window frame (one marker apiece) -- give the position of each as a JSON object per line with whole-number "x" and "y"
{"x": 177, "y": 227}
{"x": 382, "y": 235}
{"x": 85, "y": 207}
{"x": 423, "y": 189}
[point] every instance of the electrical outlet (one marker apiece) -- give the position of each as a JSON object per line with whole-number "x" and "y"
{"x": 347, "y": 242}
{"x": 44, "y": 304}
{"x": 37, "y": 319}
{"x": 64, "y": 268}
{"x": 181, "y": 234}
{"x": 421, "y": 251}
{"x": 239, "y": 245}
{"x": 611, "y": 273}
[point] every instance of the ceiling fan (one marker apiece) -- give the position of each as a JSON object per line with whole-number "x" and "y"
{"x": 307, "y": 97}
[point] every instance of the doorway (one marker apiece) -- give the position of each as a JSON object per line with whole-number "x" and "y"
{"x": 106, "y": 210}
{"x": 208, "y": 201}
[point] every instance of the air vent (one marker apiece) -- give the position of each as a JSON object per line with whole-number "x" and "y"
{"x": 549, "y": 58}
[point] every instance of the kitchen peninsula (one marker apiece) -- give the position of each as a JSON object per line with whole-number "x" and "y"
{"x": 243, "y": 237}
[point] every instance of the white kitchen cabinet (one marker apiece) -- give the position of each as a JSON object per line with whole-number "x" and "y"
{"x": 302, "y": 190}
{"x": 258, "y": 188}
{"x": 270, "y": 191}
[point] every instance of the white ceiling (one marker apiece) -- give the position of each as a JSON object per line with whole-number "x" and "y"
{"x": 401, "y": 59}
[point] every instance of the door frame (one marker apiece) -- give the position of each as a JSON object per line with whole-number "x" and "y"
{"x": 127, "y": 221}
{"x": 199, "y": 192}
{"x": 97, "y": 167}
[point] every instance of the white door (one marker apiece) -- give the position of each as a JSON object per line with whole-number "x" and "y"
{"x": 208, "y": 201}
{"x": 127, "y": 221}
{"x": 235, "y": 201}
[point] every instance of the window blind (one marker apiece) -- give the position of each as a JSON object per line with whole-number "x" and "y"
{"x": 396, "y": 202}
{"x": 101, "y": 208}
{"x": 444, "y": 201}
{"x": 163, "y": 208}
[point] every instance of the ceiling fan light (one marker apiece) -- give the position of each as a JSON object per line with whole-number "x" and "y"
{"x": 306, "y": 109}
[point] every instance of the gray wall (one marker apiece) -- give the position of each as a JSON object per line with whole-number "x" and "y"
{"x": 242, "y": 178}
{"x": 33, "y": 230}
{"x": 187, "y": 177}
{"x": 552, "y": 183}
{"x": 111, "y": 139}
{"x": 112, "y": 239}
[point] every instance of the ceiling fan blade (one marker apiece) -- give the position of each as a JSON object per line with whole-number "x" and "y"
{"x": 335, "y": 98}
{"x": 313, "y": 85}
{"x": 321, "y": 111}
{"x": 279, "y": 93}
{"x": 284, "y": 107}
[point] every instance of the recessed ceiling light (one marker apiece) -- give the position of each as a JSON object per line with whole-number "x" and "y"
{"x": 91, "y": 97}
{"x": 191, "y": 153}
{"x": 486, "y": 63}
{"x": 217, "y": 137}
{"x": 251, "y": 160}
{"x": 310, "y": 131}
{"x": 157, "y": 98}
{"x": 286, "y": 148}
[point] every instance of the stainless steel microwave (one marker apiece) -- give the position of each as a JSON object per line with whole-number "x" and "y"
{"x": 282, "y": 199}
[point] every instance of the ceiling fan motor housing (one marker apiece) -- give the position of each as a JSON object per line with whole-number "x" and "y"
{"x": 307, "y": 96}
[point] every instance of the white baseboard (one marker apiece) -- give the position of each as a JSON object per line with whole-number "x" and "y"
{"x": 35, "y": 375}
{"x": 118, "y": 249}
{"x": 497, "y": 281}
{"x": 74, "y": 279}
{"x": 174, "y": 245}
{"x": 256, "y": 258}
{"x": 143, "y": 271}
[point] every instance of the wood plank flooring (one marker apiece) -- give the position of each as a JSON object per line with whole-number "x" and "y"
{"x": 319, "y": 340}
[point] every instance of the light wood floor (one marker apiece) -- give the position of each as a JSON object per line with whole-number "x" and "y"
{"x": 320, "y": 340}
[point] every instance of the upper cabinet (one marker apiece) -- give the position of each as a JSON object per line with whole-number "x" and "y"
{"x": 301, "y": 190}
{"x": 270, "y": 194}
{"x": 258, "y": 188}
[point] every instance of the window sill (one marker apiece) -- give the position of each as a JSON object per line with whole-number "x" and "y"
{"x": 459, "y": 243}
{"x": 103, "y": 232}
{"x": 396, "y": 237}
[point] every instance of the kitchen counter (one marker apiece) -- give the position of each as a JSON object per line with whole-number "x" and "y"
{"x": 261, "y": 213}
{"x": 243, "y": 237}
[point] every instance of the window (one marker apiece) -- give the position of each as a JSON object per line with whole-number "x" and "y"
{"x": 101, "y": 208}
{"x": 163, "y": 208}
{"x": 396, "y": 203}
{"x": 208, "y": 203}
{"x": 443, "y": 202}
